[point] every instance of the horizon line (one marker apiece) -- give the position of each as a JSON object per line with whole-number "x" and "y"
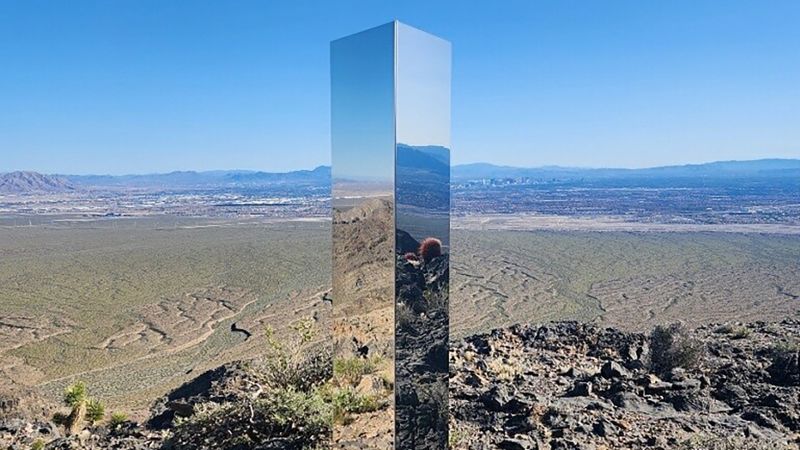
{"x": 319, "y": 166}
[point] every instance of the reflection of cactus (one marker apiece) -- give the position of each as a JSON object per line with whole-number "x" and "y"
{"x": 430, "y": 248}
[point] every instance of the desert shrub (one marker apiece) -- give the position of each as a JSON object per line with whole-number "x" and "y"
{"x": 293, "y": 411}
{"x": 504, "y": 370}
{"x": 735, "y": 332}
{"x": 294, "y": 361}
{"x": 38, "y": 445}
{"x": 437, "y": 301}
{"x": 347, "y": 401}
{"x": 95, "y": 411}
{"x": 430, "y": 248}
{"x": 455, "y": 438}
{"x": 75, "y": 394}
{"x": 673, "y": 346}
{"x": 82, "y": 409}
{"x": 785, "y": 364}
{"x": 117, "y": 419}
{"x": 404, "y": 317}
{"x": 284, "y": 418}
{"x": 348, "y": 371}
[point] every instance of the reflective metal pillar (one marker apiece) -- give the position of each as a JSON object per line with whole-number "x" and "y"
{"x": 390, "y": 116}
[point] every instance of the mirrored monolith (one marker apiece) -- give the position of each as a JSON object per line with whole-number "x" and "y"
{"x": 391, "y": 204}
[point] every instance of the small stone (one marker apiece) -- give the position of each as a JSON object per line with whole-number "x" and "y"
{"x": 613, "y": 370}
{"x": 522, "y": 443}
{"x": 677, "y": 374}
{"x": 582, "y": 389}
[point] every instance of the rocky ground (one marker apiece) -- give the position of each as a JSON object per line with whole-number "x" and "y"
{"x": 577, "y": 386}
{"x": 555, "y": 386}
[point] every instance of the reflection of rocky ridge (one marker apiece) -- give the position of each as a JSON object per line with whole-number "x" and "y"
{"x": 363, "y": 324}
{"x": 577, "y": 386}
{"x": 362, "y": 256}
{"x": 422, "y": 290}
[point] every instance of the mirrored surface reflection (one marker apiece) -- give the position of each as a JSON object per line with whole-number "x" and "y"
{"x": 422, "y": 242}
{"x": 391, "y": 239}
{"x": 363, "y": 138}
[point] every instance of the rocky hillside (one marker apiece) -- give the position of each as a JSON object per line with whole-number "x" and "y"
{"x": 21, "y": 183}
{"x": 555, "y": 386}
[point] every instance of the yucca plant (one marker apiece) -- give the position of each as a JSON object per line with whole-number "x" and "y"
{"x": 82, "y": 408}
{"x": 75, "y": 397}
{"x": 95, "y": 411}
{"x": 117, "y": 419}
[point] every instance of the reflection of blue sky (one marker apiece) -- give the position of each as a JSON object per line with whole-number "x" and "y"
{"x": 423, "y": 88}
{"x": 366, "y": 96}
{"x": 362, "y": 105}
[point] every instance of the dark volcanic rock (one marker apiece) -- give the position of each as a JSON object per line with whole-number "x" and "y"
{"x": 225, "y": 383}
{"x": 421, "y": 350}
{"x": 405, "y": 243}
{"x": 570, "y": 385}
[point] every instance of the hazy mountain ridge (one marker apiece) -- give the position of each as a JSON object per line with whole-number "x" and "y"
{"x": 26, "y": 181}
{"x": 216, "y": 178}
{"x": 431, "y": 156}
{"x": 762, "y": 168}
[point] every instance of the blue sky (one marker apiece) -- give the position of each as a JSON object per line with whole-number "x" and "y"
{"x": 150, "y": 85}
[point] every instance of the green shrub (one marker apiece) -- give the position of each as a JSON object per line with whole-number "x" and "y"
{"x": 38, "y": 445}
{"x": 95, "y": 411}
{"x": 294, "y": 361}
{"x": 75, "y": 395}
{"x": 284, "y": 417}
{"x": 735, "y": 332}
{"x": 294, "y": 410}
{"x": 673, "y": 346}
{"x": 347, "y": 401}
{"x": 117, "y": 419}
{"x": 348, "y": 371}
{"x": 405, "y": 317}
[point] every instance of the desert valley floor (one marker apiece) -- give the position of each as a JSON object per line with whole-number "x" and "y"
{"x": 136, "y": 307}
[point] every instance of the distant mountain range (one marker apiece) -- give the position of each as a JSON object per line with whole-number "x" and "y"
{"x": 762, "y": 168}
{"x": 216, "y": 178}
{"x": 432, "y": 157}
{"x": 33, "y": 182}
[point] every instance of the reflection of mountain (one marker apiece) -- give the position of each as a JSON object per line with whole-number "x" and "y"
{"x": 423, "y": 177}
{"x": 430, "y": 159}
